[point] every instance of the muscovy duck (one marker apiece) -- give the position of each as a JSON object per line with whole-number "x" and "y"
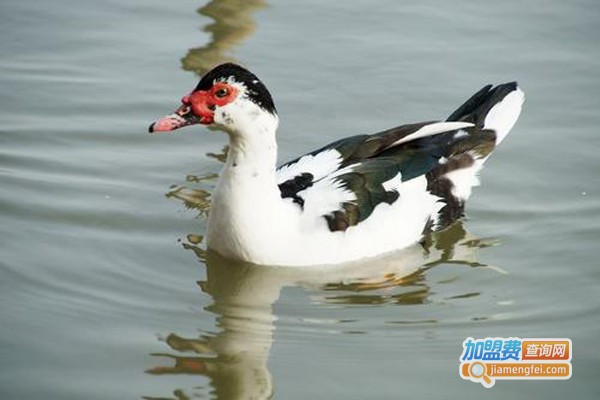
{"x": 359, "y": 197}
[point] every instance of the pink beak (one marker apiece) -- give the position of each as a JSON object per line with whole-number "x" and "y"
{"x": 183, "y": 116}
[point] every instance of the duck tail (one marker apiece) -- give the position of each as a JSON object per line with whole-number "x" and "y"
{"x": 492, "y": 108}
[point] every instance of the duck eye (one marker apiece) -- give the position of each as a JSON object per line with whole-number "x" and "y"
{"x": 220, "y": 93}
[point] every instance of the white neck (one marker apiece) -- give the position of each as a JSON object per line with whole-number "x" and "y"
{"x": 247, "y": 196}
{"x": 253, "y": 148}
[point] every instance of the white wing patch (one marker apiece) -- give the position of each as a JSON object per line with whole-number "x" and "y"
{"x": 319, "y": 165}
{"x": 460, "y": 134}
{"x": 433, "y": 129}
{"x": 465, "y": 179}
{"x": 503, "y": 115}
{"x": 394, "y": 183}
{"x": 325, "y": 196}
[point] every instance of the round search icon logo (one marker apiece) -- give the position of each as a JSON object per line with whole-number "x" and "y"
{"x": 478, "y": 370}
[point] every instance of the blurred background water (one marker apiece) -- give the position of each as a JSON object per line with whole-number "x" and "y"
{"x": 105, "y": 289}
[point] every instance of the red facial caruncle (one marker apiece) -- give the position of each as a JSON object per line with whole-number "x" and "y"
{"x": 203, "y": 103}
{"x": 197, "y": 108}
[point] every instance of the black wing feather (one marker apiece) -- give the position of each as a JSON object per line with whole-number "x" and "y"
{"x": 376, "y": 159}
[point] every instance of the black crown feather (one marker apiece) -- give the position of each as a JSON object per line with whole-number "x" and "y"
{"x": 256, "y": 90}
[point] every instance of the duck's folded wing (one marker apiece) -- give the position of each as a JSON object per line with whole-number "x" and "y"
{"x": 346, "y": 180}
{"x": 350, "y": 150}
{"x": 349, "y": 196}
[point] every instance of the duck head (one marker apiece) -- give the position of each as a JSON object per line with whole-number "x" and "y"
{"x": 228, "y": 97}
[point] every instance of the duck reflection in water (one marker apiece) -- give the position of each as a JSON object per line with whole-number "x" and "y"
{"x": 233, "y": 22}
{"x": 235, "y": 360}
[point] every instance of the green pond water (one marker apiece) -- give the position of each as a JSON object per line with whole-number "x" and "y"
{"x": 106, "y": 291}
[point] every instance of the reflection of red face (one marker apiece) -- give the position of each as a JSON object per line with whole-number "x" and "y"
{"x": 197, "y": 108}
